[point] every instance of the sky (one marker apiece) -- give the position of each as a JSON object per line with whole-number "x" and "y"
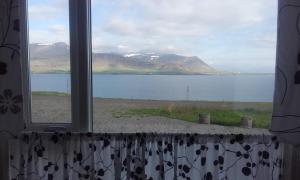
{"x": 232, "y": 35}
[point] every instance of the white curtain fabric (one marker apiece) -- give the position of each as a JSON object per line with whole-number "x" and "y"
{"x": 286, "y": 113}
{"x": 145, "y": 156}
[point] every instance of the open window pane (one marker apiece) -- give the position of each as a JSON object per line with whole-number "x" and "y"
{"x": 49, "y": 55}
{"x": 166, "y": 65}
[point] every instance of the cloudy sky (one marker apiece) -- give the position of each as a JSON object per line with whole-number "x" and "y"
{"x": 233, "y": 35}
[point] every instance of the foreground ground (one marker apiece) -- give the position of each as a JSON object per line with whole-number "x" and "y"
{"x": 128, "y": 116}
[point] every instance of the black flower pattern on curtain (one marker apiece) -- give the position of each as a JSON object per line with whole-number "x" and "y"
{"x": 3, "y": 68}
{"x": 7, "y": 7}
{"x": 73, "y": 156}
{"x": 16, "y": 25}
{"x": 11, "y": 103}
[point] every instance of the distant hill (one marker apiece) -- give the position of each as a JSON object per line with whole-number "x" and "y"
{"x": 55, "y": 58}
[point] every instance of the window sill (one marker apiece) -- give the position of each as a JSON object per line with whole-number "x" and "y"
{"x": 176, "y": 128}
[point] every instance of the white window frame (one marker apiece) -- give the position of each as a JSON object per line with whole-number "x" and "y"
{"x": 81, "y": 69}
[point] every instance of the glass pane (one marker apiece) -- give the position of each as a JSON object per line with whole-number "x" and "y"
{"x": 173, "y": 65}
{"x": 49, "y": 60}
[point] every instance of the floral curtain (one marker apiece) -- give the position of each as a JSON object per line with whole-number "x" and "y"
{"x": 286, "y": 116}
{"x": 144, "y": 156}
{"x": 11, "y": 111}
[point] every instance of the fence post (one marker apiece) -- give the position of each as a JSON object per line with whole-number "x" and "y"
{"x": 246, "y": 122}
{"x": 204, "y": 118}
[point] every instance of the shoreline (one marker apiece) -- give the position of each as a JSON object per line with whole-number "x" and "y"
{"x": 194, "y": 103}
{"x": 109, "y": 116}
{"x": 162, "y": 74}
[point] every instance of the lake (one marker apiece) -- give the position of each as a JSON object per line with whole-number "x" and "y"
{"x": 248, "y": 88}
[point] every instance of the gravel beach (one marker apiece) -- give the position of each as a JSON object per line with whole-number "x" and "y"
{"x": 107, "y": 120}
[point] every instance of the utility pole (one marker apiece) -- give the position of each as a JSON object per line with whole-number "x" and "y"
{"x": 187, "y": 92}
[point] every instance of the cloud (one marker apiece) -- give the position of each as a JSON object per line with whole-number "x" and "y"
{"x": 124, "y": 27}
{"x": 54, "y": 33}
{"x": 267, "y": 40}
{"x": 57, "y": 28}
{"x": 113, "y": 48}
{"x": 152, "y": 29}
{"x": 48, "y": 9}
{"x": 48, "y": 21}
{"x": 184, "y": 18}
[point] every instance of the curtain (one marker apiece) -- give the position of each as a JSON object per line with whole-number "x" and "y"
{"x": 144, "y": 156}
{"x": 286, "y": 113}
{"x": 11, "y": 115}
{"x": 11, "y": 111}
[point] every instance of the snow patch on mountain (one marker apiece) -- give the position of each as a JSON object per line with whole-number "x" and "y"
{"x": 132, "y": 54}
{"x": 153, "y": 57}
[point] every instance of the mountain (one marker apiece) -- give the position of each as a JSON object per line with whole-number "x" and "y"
{"x": 55, "y": 58}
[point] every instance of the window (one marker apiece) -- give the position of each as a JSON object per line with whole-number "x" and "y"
{"x": 160, "y": 65}
{"x": 56, "y": 45}
{"x": 49, "y": 57}
{"x": 154, "y": 64}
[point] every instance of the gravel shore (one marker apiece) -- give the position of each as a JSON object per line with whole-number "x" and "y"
{"x": 57, "y": 109}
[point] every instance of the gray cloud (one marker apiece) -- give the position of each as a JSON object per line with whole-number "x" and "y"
{"x": 49, "y": 10}
{"x": 186, "y": 18}
{"x": 53, "y": 33}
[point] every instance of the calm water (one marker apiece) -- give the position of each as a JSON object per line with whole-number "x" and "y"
{"x": 168, "y": 87}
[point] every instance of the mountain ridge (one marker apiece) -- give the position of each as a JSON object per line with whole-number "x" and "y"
{"x": 54, "y": 58}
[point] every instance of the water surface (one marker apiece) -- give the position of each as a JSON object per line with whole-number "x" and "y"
{"x": 248, "y": 88}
